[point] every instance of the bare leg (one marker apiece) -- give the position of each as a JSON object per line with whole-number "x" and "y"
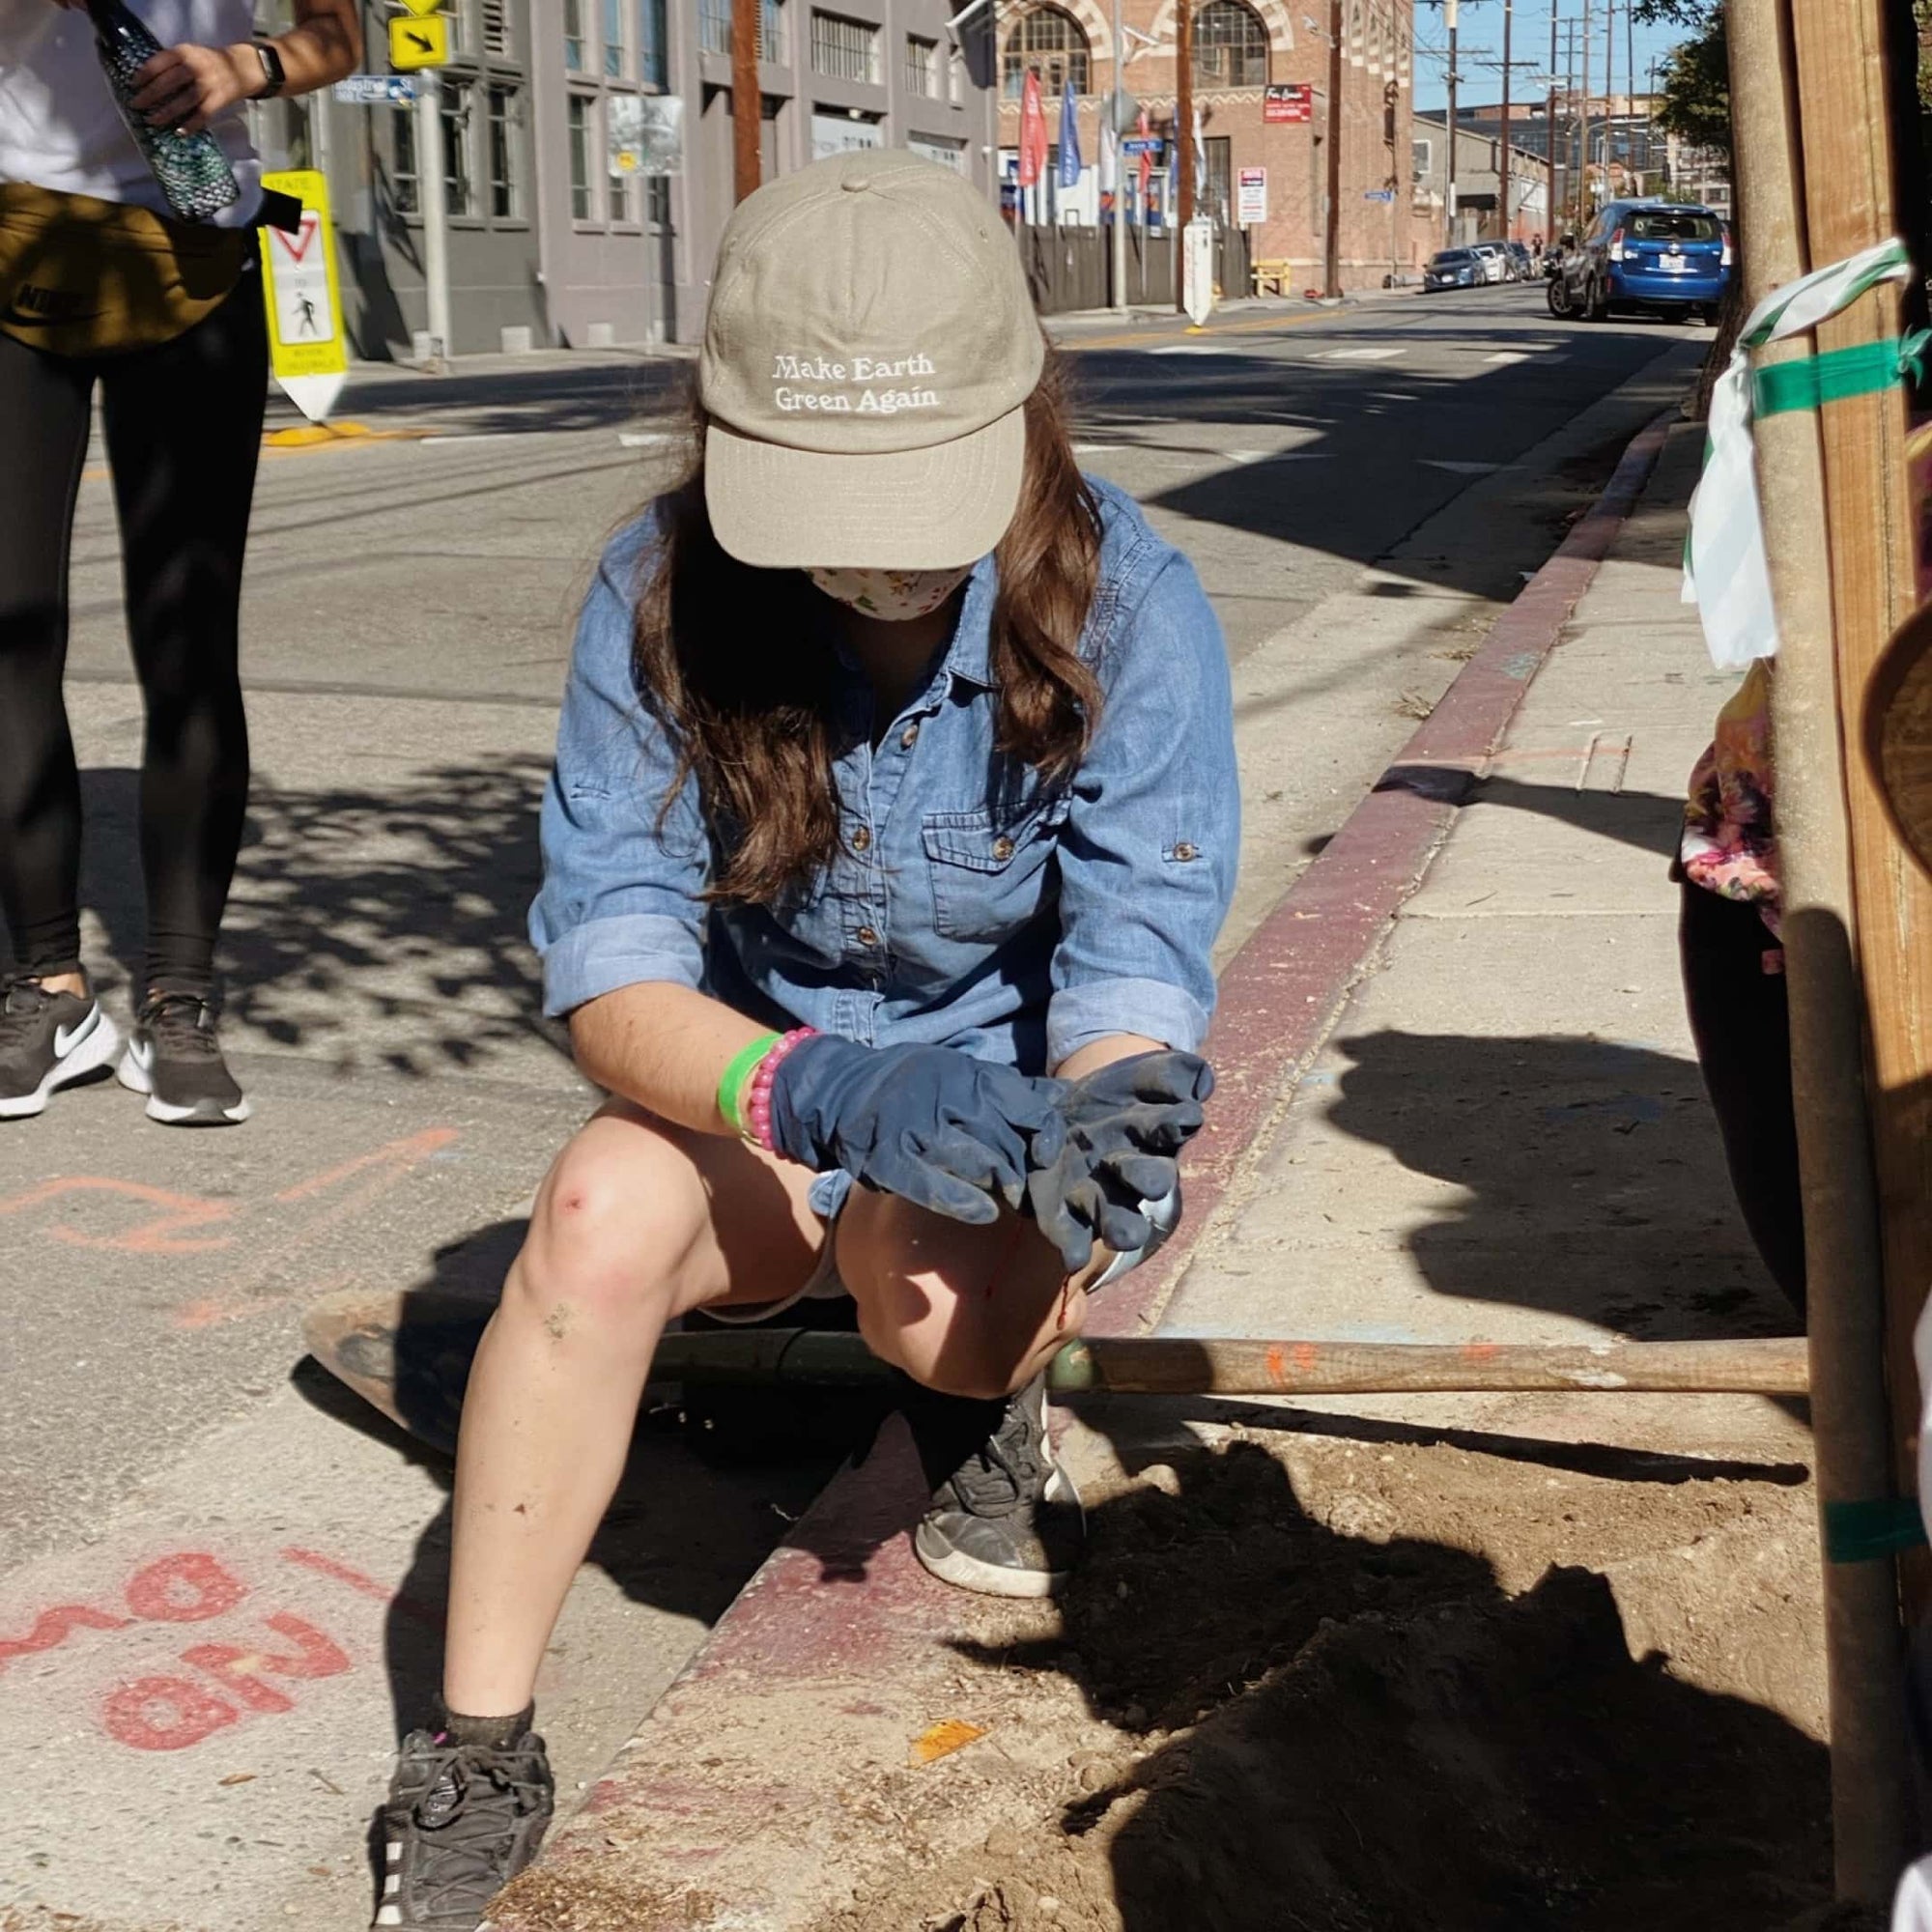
{"x": 637, "y": 1222}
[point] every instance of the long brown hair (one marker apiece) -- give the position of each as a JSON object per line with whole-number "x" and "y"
{"x": 738, "y": 664}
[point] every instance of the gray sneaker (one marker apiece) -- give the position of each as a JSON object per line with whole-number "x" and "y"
{"x": 1007, "y": 1522}
{"x": 48, "y": 1041}
{"x": 462, "y": 1821}
{"x": 174, "y": 1060}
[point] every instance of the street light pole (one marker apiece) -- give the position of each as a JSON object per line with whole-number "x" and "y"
{"x": 1584, "y": 134}
{"x": 1549, "y": 218}
{"x": 1184, "y": 136}
{"x": 432, "y": 192}
{"x": 1509, "y": 213}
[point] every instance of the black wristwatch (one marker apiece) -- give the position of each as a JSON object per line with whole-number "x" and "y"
{"x": 275, "y": 77}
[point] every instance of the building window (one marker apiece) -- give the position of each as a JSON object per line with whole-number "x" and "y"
{"x": 506, "y": 127}
{"x": 714, "y": 29}
{"x": 497, "y": 28}
{"x": 1231, "y": 47}
{"x": 922, "y": 66}
{"x": 844, "y": 49}
{"x": 955, "y": 70}
{"x": 947, "y": 154}
{"x": 404, "y": 184}
{"x": 1421, "y": 161}
{"x": 573, "y": 35}
{"x": 838, "y": 130}
{"x": 460, "y": 190}
{"x": 653, "y": 60}
{"x": 1051, "y": 44}
{"x": 579, "y": 122}
{"x": 615, "y": 51}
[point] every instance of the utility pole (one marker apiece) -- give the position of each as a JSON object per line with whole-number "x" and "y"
{"x": 1584, "y": 134}
{"x": 1449, "y": 180}
{"x": 1550, "y": 136}
{"x": 1184, "y": 124}
{"x": 432, "y": 193}
{"x": 747, "y": 164}
{"x": 1609, "y": 86}
{"x": 1118, "y": 254}
{"x": 1509, "y": 213}
{"x": 1331, "y": 251}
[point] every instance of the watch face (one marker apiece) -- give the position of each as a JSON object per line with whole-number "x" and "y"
{"x": 271, "y": 68}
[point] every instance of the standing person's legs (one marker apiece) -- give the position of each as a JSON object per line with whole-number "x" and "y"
{"x": 183, "y": 428}
{"x": 1742, "y": 1023}
{"x": 45, "y": 402}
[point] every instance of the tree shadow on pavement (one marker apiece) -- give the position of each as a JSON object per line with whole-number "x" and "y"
{"x": 1592, "y": 1179}
{"x": 1331, "y": 1726}
{"x": 367, "y": 926}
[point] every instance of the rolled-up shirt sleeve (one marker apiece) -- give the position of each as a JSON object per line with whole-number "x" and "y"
{"x": 623, "y": 872}
{"x": 1148, "y": 851}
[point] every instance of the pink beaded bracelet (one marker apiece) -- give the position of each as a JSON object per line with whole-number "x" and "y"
{"x": 755, "y": 1104}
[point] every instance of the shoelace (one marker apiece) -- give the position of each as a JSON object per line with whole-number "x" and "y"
{"x": 466, "y": 1845}
{"x": 22, "y": 1001}
{"x": 183, "y": 1025}
{"x": 1001, "y": 1474}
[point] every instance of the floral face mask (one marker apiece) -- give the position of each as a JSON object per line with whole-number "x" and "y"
{"x": 892, "y": 596}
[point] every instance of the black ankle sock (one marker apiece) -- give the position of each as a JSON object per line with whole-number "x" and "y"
{"x": 492, "y": 1733}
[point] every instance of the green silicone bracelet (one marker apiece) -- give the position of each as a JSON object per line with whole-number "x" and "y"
{"x": 732, "y": 1083}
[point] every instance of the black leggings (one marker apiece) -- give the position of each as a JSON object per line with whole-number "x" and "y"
{"x": 183, "y": 425}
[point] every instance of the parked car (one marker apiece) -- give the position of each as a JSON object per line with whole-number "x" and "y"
{"x": 1523, "y": 264}
{"x": 1454, "y": 268}
{"x": 1667, "y": 258}
{"x": 1494, "y": 259}
{"x": 1553, "y": 256}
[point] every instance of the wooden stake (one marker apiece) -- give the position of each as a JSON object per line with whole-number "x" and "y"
{"x": 1850, "y": 1414}
{"x": 1844, "y": 102}
{"x": 747, "y": 104}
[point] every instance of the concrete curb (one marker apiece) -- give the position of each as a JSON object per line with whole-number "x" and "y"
{"x": 735, "y": 1804}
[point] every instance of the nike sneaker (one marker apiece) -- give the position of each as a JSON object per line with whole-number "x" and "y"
{"x": 174, "y": 1060}
{"x": 48, "y": 1041}
{"x": 462, "y": 1821}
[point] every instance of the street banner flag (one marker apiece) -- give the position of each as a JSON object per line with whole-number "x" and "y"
{"x": 1069, "y": 139}
{"x": 1146, "y": 162}
{"x": 1032, "y": 132}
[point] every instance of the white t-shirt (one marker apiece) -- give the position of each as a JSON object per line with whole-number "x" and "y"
{"x": 58, "y": 126}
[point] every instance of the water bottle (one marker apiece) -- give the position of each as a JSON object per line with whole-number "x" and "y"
{"x": 192, "y": 170}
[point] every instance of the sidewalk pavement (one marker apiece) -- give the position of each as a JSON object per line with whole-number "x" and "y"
{"x": 1504, "y": 1136}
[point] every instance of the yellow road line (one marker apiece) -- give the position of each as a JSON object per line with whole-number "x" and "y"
{"x": 1138, "y": 336}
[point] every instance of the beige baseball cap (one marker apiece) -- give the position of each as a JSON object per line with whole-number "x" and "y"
{"x": 869, "y": 345}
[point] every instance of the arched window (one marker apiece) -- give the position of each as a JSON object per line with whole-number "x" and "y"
{"x": 1230, "y": 47}
{"x": 1052, "y": 44}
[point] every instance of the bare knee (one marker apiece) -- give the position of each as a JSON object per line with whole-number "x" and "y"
{"x": 612, "y": 1234}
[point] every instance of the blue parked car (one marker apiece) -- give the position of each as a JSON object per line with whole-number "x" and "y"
{"x": 1454, "y": 268}
{"x": 1666, "y": 257}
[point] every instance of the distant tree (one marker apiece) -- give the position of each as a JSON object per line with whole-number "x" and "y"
{"x": 1696, "y": 103}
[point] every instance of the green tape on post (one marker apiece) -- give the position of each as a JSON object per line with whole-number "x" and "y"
{"x": 1859, "y": 1532}
{"x": 1813, "y": 381}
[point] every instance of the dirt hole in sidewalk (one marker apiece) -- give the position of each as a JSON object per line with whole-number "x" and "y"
{"x": 1341, "y": 1714}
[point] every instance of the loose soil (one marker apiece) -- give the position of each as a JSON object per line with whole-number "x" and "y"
{"x": 1317, "y": 1685}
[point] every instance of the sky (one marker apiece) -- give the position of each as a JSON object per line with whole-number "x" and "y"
{"x": 1480, "y": 39}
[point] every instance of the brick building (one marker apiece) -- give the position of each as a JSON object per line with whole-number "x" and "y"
{"x": 1242, "y": 49}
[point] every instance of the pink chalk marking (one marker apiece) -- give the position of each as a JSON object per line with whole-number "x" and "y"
{"x": 163, "y": 1234}
{"x": 186, "y": 1588}
{"x": 159, "y": 1713}
{"x": 239, "y": 1671}
{"x": 52, "y": 1629}
{"x": 361, "y": 1580}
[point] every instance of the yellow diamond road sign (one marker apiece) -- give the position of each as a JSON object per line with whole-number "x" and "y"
{"x": 419, "y": 43}
{"x": 419, "y": 6}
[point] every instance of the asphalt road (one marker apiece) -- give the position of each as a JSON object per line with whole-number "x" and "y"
{"x": 217, "y": 1592}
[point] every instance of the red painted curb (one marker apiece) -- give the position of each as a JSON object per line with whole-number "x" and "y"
{"x": 706, "y": 1815}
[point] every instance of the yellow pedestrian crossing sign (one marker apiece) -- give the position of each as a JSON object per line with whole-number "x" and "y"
{"x": 415, "y": 43}
{"x": 305, "y": 337}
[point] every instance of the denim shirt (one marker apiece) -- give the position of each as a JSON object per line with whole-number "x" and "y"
{"x": 1014, "y": 922}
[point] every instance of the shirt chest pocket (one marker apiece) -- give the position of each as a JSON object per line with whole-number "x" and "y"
{"x": 989, "y": 868}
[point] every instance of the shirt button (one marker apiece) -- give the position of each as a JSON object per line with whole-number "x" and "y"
{"x": 866, "y": 936}
{"x": 1186, "y": 851}
{"x": 1003, "y": 849}
{"x": 909, "y": 737}
{"x": 862, "y": 839}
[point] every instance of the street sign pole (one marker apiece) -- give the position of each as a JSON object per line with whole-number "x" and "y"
{"x": 432, "y": 194}
{"x": 1117, "y": 288}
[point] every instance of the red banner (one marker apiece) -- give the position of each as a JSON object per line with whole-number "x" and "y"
{"x": 1292, "y": 102}
{"x": 1032, "y": 132}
